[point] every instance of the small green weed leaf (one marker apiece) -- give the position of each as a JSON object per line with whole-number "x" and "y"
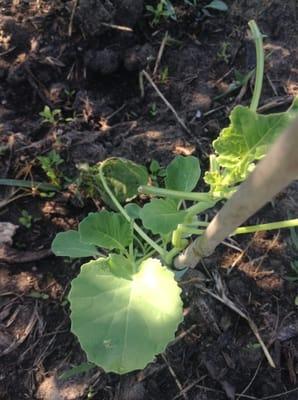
{"x": 217, "y": 5}
{"x": 120, "y": 266}
{"x": 247, "y": 139}
{"x": 183, "y": 173}
{"x": 122, "y": 324}
{"x": 69, "y": 244}
{"x": 161, "y": 216}
{"x": 123, "y": 178}
{"x": 106, "y": 229}
{"x": 133, "y": 210}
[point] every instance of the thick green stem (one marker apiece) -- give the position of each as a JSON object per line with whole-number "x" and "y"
{"x": 140, "y": 231}
{"x": 199, "y": 208}
{"x": 258, "y": 39}
{"x": 175, "y": 194}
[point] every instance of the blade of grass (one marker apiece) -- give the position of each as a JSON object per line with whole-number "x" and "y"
{"x": 28, "y": 184}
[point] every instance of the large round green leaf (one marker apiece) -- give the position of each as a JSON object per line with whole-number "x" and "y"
{"x": 123, "y": 323}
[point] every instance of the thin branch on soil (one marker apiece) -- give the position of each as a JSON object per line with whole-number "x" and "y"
{"x": 119, "y": 27}
{"x": 190, "y": 386}
{"x": 276, "y": 102}
{"x": 225, "y": 300}
{"x": 251, "y": 382}
{"x": 12, "y": 256}
{"x": 276, "y": 396}
{"x": 172, "y": 372}
{"x": 37, "y": 86}
{"x": 223, "y": 77}
{"x": 271, "y": 84}
{"x": 180, "y": 121}
{"x": 19, "y": 340}
{"x": 182, "y": 335}
{"x": 5, "y": 202}
{"x": 4, "y": 53}
{"x": 73, "y": 11}
{"x": 160, "y": 53}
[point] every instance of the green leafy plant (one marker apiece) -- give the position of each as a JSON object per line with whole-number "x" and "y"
{"x": 164, "y": 75}
{"x": 49, "y": 163}
{"x": 224, "y": 52}
{"x": 26, "y": 219}
{"x": 163, "y": 10}
{"x": 50, "y": 116}
{"x": 125, "y": 303}
{"x": 153, "y": 110}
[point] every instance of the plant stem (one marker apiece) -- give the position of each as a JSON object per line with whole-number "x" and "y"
{"x": 121, "y": 209}
{"x": 199, "y": 208}
{"x": 175, "y": 194}
{"x": 258, "y": 39}
{"x": 248, "y": 229}
{"x": 266, "y": 227}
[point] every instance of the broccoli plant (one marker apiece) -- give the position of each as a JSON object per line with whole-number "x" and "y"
{"x": 125, "y": 302}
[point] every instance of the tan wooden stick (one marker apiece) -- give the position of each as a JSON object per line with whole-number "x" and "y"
{"x": 271, "y": 175}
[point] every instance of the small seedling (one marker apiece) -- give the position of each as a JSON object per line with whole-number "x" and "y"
{"x": 49, "y": 163}
{"x": 224, "y": 52}
{"x": 50, "y": 116}
{"x": 153, "y": 110}
{"x": 26, "y": 219}
{"x": 164, "y": 75}
{"x": 163, "y": 10}
{"x": 156, "y": 171}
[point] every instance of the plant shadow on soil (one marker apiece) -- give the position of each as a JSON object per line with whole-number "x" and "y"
{"x": 92, "y": 77}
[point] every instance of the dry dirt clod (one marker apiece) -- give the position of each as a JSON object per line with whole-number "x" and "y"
{"x": 138, "y": 57}
{"x": 92, "y": 13}
{"x": 7, "y": 230}
{"x": 14, "y": 38}
{"x": 104, "y": 61}
{"x": 128, "y": 12}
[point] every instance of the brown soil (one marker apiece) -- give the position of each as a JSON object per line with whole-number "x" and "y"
{"x": 65, "y": 55}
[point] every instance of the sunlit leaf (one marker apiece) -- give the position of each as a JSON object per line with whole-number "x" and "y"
{"x": 122, "y": 324}
{"x": 246, "y": 140}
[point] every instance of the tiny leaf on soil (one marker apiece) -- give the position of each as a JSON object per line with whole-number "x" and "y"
{"x": 217, "y": 5}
